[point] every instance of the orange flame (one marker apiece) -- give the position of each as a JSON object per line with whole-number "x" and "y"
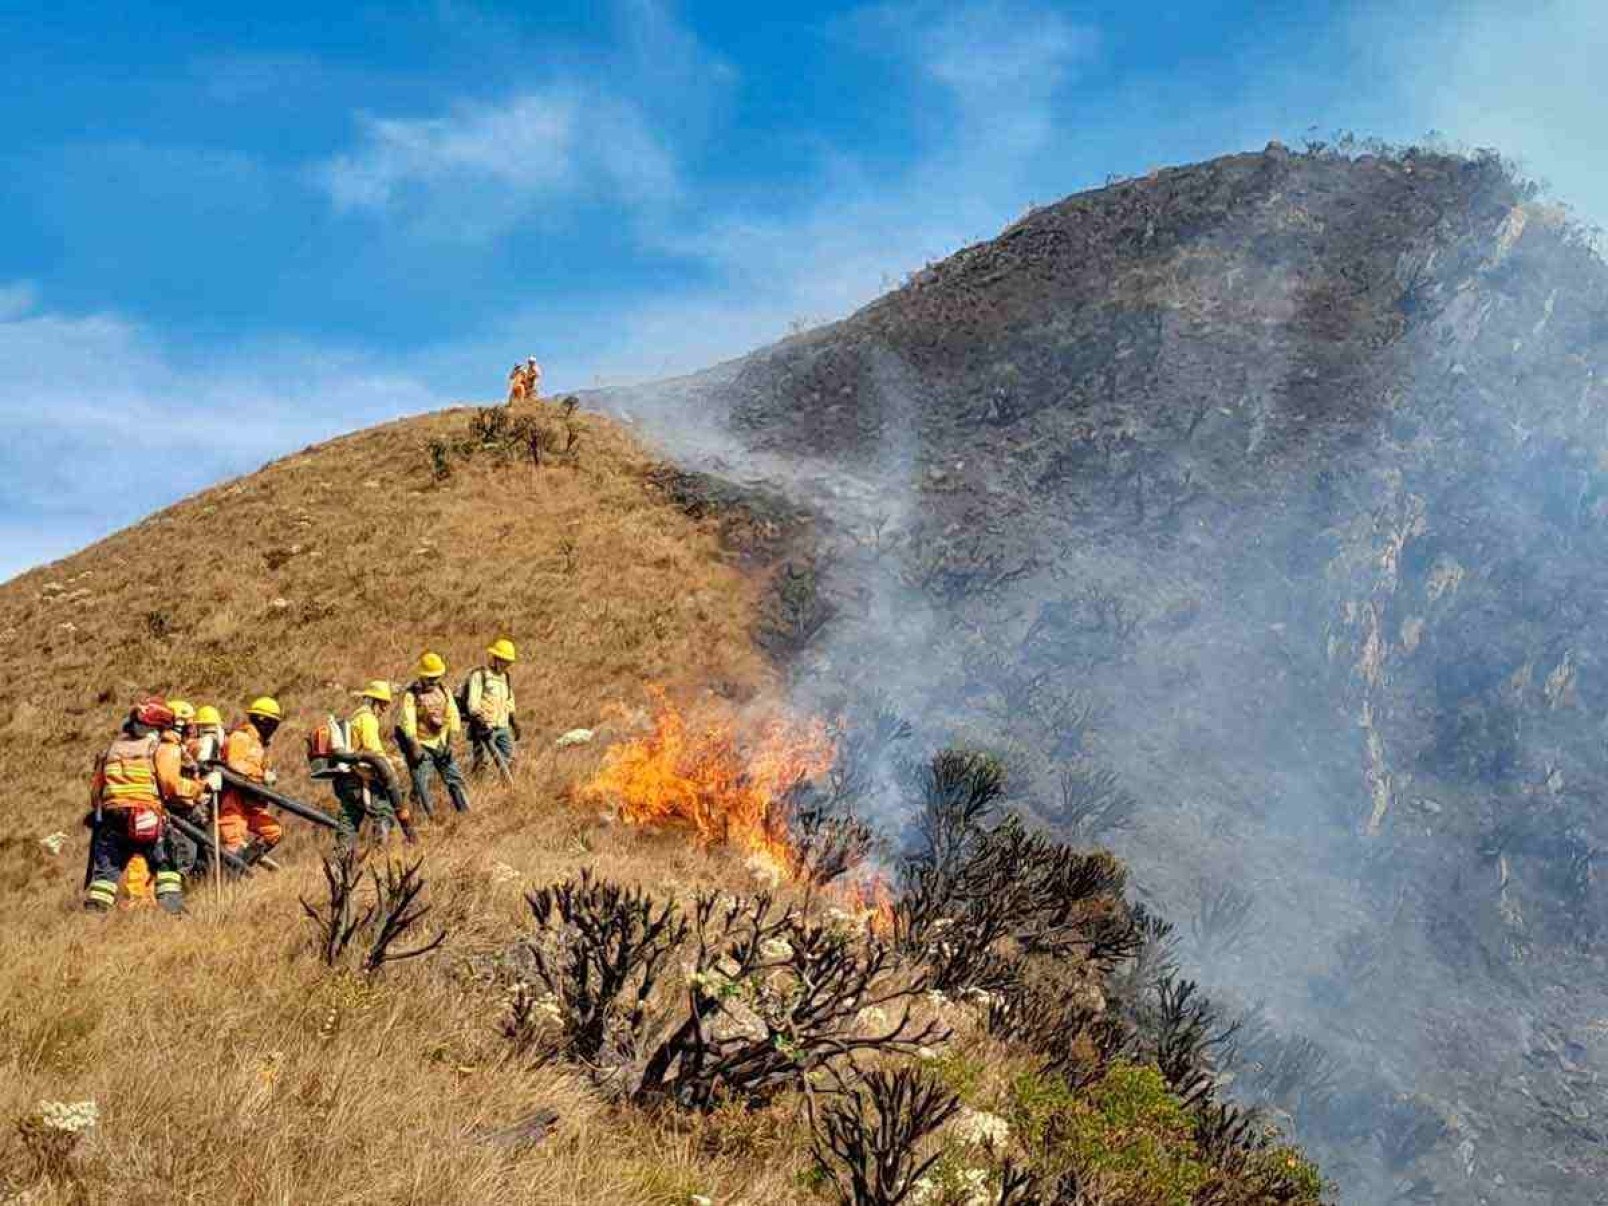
{"x": 728, "y": 780}
{"x": 870, "y": 900}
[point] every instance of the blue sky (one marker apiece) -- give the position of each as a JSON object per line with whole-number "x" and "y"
{"x": 226, "y": 233}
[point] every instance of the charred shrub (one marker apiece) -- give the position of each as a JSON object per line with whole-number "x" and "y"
{"x": 1222, "y": 919}
{"x": 599, "y": 950}
{"x": 797, "y": 611}
{"x": 1408, "y": 1130}
{"x": 1091, "y": 628}
{"x": 981, "y": 893}
{"x": 773, "y": 996}
{"x": 870, "y": 1142}
{"x": 378, "y": 926}
{"x": 1093, "y": 803}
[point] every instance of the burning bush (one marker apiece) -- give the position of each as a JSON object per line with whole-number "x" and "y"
{"x": 732, "y": 782}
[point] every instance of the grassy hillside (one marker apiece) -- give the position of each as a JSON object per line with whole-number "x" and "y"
{"x": 227, "y": 1063}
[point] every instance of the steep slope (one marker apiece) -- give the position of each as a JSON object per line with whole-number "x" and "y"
{"x": 1272, "y": 485}
{"x": 225, "y": 1064}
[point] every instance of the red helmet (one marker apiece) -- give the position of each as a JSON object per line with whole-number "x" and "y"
{"x": 153, "y": 712}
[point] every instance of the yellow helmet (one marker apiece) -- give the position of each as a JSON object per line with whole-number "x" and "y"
{"x": 207, "y": 715}
{"x": 431, "y": 665}
{"x": 503, "y": 649}
{"x": 379, "y": 690}
{"x": 183, "y": 710}
{"x": 267, "y": 707}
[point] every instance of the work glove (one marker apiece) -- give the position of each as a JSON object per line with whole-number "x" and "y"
{"x": 214, "y": 781}
{"x": 269, "y": 778}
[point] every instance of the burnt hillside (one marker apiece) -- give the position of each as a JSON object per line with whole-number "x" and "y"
{"x": 1271, "y": 494}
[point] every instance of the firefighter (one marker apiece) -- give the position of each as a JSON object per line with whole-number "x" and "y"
{"x": 136, "y": 780}
{"x": 206, "y": 737}
{"x": 183, "y": 718}
{"x": 137, "y": 876}
{"x": 367, "y": 788}
{"x": 245, "y": 825}
{"x": 429, "y": 724}
{"x": 489, "y": 700}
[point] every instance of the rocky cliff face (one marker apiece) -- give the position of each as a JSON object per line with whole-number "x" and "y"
{"x": 1259, "y": 510}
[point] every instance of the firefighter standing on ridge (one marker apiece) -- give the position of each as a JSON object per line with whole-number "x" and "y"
{"x": 429, "y": 724}
{"x": 489, "y": 701}
{"x": 365, "y": 790}
{"x": 524, "y": 381}
{"x": 135, "y": 781}
{"x": 245, "y": 825}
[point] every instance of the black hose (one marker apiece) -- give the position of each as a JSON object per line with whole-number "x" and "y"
{"x": 269, "y": 796}
{"x": 204, "y": 839}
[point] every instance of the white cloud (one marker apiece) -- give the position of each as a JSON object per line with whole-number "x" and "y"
{"x": 530, "y": 148}
{"x": 1526, "y": 79}
{"x": 994, "y": 71}
{"x": 108, "y": 425}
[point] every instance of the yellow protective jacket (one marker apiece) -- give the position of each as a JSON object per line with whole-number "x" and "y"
{"x": 491, "y": 698}
{"x": 363, "y": 732}
{"x": 430, "y": 716}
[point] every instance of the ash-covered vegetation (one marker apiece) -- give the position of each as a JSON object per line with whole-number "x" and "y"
{"x": 997, "y": 1024}
{"x": 1261, "y": 508}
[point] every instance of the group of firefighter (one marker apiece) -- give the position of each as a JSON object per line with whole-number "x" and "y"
{"x": 176, "y": 795}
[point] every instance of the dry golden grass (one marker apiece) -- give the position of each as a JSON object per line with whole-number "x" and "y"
{"x": 227, "y": 1063}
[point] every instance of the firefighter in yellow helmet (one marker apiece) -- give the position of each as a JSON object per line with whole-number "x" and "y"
{"x": 489, "y": 701}
{"x": 245, "y": 825}
{"x": 135, "y": 781}
{"x": 429, "y": 724}
{"x": 205, "y": 740}
{"x": 367, "y": 788}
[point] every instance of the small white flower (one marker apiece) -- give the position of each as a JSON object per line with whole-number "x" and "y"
{"x": 841, "y": 919}
{"x": 872, "y": 1018}
{"x": 776, "y": 948}
{"x": 74, "y": 1117}
{"x": 983, "y": 1129}
{"x": 974, "y": 1181}
{"x": 699, "y": 1199}
{"x": 765, "y": 870}
{"x": 54, "y": 842}
{"x": 981, "y": 998}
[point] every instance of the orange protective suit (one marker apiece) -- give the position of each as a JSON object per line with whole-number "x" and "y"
{"x": 242, "y": 817}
